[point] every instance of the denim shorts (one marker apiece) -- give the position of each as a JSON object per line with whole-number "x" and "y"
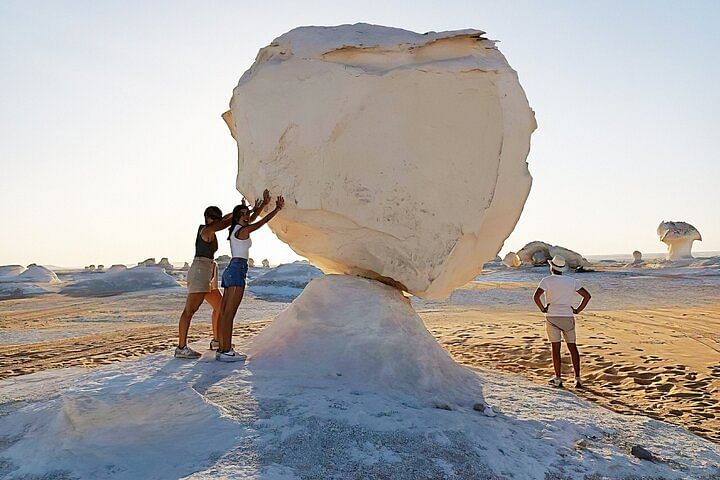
{"x": 235, "y": 273}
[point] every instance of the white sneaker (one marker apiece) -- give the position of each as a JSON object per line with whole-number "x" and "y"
{"x": 489, "y": 412}
{"x": 186, "y": 352}
{"x": 214, "y": 344}
{"x": 556, "y": 382}
{"x": 578, "y": 383}
{"x": 230, "y": 356}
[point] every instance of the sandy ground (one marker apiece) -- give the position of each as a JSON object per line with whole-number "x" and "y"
{"x": 662, "y": 362}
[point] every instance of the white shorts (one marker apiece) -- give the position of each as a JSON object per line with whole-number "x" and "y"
{"x": 557, "y": 326}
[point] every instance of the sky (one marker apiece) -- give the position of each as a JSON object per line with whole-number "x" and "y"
{"x": 112, "y": 145}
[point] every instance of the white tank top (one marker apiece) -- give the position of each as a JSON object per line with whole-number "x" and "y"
{"x": 239, "y": 248}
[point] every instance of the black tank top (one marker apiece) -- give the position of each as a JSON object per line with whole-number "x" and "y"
{"x": 203, "y": 248}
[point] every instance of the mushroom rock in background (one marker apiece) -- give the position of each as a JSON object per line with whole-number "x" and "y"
{"x": 11, "y": 270}
{"x": 679, "y": 237}
{"x": 251, "y": 262}
{"x": 265, "y": 263}
{"x": 402, "y": 156}
{"x": 117, "y": 268}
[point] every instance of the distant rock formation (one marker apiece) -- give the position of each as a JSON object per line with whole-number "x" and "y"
{"x": 512, "y": 260}
{"x": 637, "y": 259}
{"x": 38, "y": 274}
{"x": 265, "y": 263}
{"x": 538, "y": 253}
{"x": 185, "y": 267}
{"x": 11, "y": 270}
{"x": 90, "y": 268}
{"x": 165, "y": 264}
{"x": 223, "y": 261}
{"x": 150, "y": 262}
{"x": 100, "y": 268}
{"x": 251, "y": 262}
{"x": 117, "y": 268}
{"x": 679, "y": 237}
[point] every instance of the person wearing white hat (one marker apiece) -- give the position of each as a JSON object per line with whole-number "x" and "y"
{"x": 560, "y": 314}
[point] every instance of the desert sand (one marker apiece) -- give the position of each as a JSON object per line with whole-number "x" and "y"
{"x": 641, "y": 355}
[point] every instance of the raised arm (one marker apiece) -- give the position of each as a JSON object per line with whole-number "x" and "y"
{"x": 260, "y": 205}
{"x": 279, "y": 203}
{"x": 585, "y": 300}
{"x": 538, "y": 300}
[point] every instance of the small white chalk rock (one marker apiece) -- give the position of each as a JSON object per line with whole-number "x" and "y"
{"x": 265, "y": 263}
{"x": 402, "y": 156}
{"x": 37, "y": 274}
{"x": 679, "y": 237}
{"x": 117, "y": 268}
{"x": 512, "y": 260}
{"x": 11, "y": 270}
{"x": 150, "y": 262}
{"x": 165, "y": 264}
{"x": 251, "y": 262}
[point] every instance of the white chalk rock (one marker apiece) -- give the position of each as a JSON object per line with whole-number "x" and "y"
{"x": 401, "y": 155}
{"x": 637, "y": 256}
{"x": 512, "y": 260}
{"x": 538, "y": 253}
{"x": 117, "y": 268}
{"x": 251, "y": 262}
{"x": 265, "y": 263}
{"x": 11, "y": 270}
{"x": 679, "y": 237}
{"x": 165, "y": 264}
{"x": 37, "y": 274}
{"x": 342, "y": 324}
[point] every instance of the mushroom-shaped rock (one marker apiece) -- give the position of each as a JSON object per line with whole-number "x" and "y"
{"x": 265, "y": 263}
{"x": 117, "y": 268}
{"x": 442, "y": 182}
{"x": 165, "y": 264}
{"x": 637, "y": 256}
{"x": 535, "y": 253}
{"x": 100, "y": 268}
{"x": 185, "y": 267}
{"x": 150, "y": 262}
{"x": 251, "y": 262}
{"x": 512, "y": 260}
{"x": 38, "y": 274}
{"x": 223, "y": 261}
{"x": 679, "y": 237}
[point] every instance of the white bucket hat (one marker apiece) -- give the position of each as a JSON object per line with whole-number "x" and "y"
{"x": 558, "y": 263}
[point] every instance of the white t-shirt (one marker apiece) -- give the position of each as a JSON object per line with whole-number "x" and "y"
{"x": 560, "y": 294}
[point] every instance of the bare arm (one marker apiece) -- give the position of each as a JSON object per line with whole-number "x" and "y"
{"x": 280, "y": 202}
{"x": 260, "y": 205}
{"x": 585, "y": 300}
{"x": 538, "y": 300}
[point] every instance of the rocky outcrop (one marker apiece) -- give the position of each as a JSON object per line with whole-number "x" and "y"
{"x": 538, "y": 253}
{"x": 679, "y": 237}
{"x": 402, "y": 157}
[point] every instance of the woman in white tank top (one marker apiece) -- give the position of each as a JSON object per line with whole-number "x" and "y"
{"x": 233, "y": 278}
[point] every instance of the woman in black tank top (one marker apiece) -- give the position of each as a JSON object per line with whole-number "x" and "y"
{"x": 206, "y": 245}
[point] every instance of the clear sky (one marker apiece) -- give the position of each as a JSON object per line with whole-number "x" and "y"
{"x": 111, "y": 141}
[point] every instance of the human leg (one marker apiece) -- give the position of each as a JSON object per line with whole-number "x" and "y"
{"x": 192, "y": 303}
{"x": 214, "y": 298}
{"x": 229, "y": 305}
{"x": 575, "y": 356}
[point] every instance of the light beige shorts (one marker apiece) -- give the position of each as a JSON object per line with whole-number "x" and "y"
{"x": 557, "y": 326}
{"x": 202, "y": 276}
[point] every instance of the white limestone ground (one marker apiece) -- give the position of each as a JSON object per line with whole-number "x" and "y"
{"x": 401, "y": 155}
{"x": 284, "y": 282}
{"x": 158, "y": 418}
{"x": 120, "y": 281}
{"x": 17, "y": 281}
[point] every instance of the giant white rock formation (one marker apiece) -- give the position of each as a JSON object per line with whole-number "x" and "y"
{"x": 401, "y": 156}
{"x": 538, "y": 253}
{"x": 679, "y": 237}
